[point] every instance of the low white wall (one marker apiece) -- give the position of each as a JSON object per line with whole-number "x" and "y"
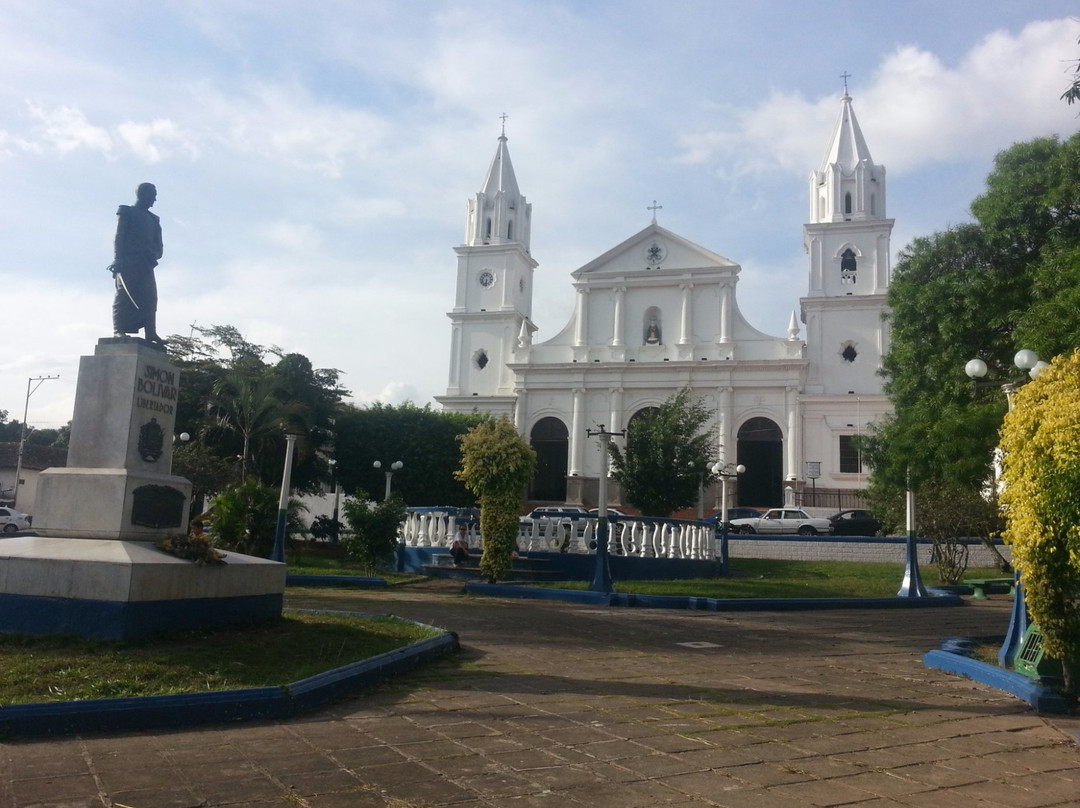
{"x": 839, "y": 548}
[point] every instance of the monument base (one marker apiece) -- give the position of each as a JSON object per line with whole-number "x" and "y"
{"x": 122, "y": 590}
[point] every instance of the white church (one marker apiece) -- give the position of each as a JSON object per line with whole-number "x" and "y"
{"x": 658, "y": 313}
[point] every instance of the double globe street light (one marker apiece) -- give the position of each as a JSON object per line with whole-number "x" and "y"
{"x": 397, "y": 465}
{"x": 725, "y": 471}
{"x": 1028, "y": 361}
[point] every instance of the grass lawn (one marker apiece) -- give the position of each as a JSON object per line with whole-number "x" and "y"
{"x": 767, "y": 578}
{"x": 41, "y": 669}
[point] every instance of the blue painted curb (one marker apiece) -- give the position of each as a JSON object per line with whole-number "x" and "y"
{"x": 1038, "y": 696}
{"x": 356, "y": 581}
{"x": 707, "y": 604}
{"x": 194, "y": 709}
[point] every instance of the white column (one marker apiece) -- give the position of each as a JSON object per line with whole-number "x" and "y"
{"x": 615, "y": 421}
{"x": 617, "y": 329}
{"x": 725, "y": 312}
{"x": 726, "y": 449}
{"x": 581, "y": 330}
{"x": 686, "y": 324}
{"x": 521, "y": 410}
{"x": 577, "y": 432}
{"x": 794, "y": 437}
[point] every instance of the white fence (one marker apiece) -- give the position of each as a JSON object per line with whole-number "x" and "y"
{"x": 643, "y": 537}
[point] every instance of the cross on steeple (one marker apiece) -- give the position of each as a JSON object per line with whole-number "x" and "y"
{"x": 504, "y": 116}
{"x": 654, "y": 207}
{"x": 845, "y": 76}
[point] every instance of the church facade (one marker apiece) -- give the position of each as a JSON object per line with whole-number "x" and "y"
{"x": 658, "y": 313}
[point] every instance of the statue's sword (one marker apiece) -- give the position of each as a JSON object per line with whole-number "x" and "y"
{"x": 123, "y": 285}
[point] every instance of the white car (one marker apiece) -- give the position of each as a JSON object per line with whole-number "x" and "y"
{"x": 12, "y": 520}
{"x": 783, "y": 520}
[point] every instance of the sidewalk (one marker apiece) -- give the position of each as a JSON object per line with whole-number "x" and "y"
{"x": 552, "y": 704}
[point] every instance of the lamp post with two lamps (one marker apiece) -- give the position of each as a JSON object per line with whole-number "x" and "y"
{"x": 397, "y": 465}
{"x": 725, "y": 471}
{"x": 601, "y": 581}
{"x": 1028, "y": 361}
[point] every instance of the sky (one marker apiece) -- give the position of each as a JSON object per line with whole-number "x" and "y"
{"x": 313, "y": 159}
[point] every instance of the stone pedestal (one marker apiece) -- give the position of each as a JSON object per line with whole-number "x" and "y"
{"x": 94, "y": 569}
{"x": 118, "y": 482}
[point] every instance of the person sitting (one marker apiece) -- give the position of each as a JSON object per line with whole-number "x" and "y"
{"x": 459, "y": 550}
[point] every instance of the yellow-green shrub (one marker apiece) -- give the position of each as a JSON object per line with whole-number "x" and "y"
{"x": 1041, "y": 498}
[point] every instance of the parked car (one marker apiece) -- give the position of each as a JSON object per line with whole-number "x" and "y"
{"x": 610, "y": 512}
{"x": 783, "y": 520}
{"x": 735, "y": 513}
{"x": 13, "y": 520}
{"x": 855, "y": 523}
{"x": 557, "y": 511}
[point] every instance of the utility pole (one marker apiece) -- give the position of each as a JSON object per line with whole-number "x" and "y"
{"x": 23, "y": 433}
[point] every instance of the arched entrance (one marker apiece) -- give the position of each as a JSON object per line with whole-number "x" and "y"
{"x": 551, "y": 440}
{"x": 761, "y": 450}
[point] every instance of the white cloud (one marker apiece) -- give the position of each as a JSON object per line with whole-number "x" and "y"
{"x": 153, "y": 142}
{"x": 66, "y": 129}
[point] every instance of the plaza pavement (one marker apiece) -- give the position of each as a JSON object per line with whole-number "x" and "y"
{"x": 555, "y": 704}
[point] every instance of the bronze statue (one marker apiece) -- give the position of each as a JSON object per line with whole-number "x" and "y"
{"x": 138, "y": 249}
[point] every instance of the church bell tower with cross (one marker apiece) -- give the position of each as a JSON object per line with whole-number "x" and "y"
{"x": 491, "y": 316}
{"x": 847, "y": 241}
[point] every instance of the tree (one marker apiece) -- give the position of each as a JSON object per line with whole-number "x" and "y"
{"x": 425, "y": 441}
{"x": 496, "y": 465}
{"x": 1041, "y": 445}
{"x": 244, "y": 518}
{"x": 374, "y": 532}
{"x": 977, "y": 290}
{"x": 1072, "y": 92}
{"x": 667, "y": 455}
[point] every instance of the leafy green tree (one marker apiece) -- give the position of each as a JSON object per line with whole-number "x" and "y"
{"x": 374, "y": 528}
{"x": 667, "y": 455}
{"x": 496, "y": 465}
{"x": 1041, "y": 445}
{"x": 244, "y": 518}
{"x": 1072, "y": 92}
{"x": 426, "y": 441}
{"x": 983, "y": 289}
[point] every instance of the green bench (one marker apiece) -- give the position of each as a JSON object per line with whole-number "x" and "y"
{"x": 980, "y": 587}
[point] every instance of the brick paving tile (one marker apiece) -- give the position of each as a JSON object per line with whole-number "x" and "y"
{"x": 823, "y": 768}
{"x": 638, "y": 794}
{"x": 362, "y": 799}
{"x": 764, "y": 774}
{"x": 562, "y": 778}
{"x": 673, "y": 743}
{"x": 421, "y": 750}
{"x": 228, "y": 792}
{"x": 53, "y": 789}
{"x": 940, "y": 774}
{"x": 1046, "y": 786}
{"x": 369, "y": 756}
{"x": 886, "y": 784}
{"x": 613, "y": 750}
{"x": 497, "y": 784}
{"x": 659, "y": 765}
{"x": 1002, "y": 794}
{"x": 157, "y": 797}
{"x": 702, "y": 784}
{"x": 821, "y": 792}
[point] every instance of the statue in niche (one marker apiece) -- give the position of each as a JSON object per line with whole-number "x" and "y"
{"x": 652, "y": 333}
{"x": 848, "y": 265}
{"x": 138, "y": 249}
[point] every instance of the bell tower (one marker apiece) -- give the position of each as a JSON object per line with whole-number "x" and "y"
{"x": 490, "y": 321}
{"x": 847, "y": 241}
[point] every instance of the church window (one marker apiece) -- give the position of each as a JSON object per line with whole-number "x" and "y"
{"x": 850, "y": 455}
{"x": 847, "y": 202}
{"x": 510, "y": 229}
{"x": 487, "y": 234}
{"x": 848, "y": 266}
{"x": 480, "y": 359}
{"x": 849, "y": 353}
{"x": 873, "y": 205}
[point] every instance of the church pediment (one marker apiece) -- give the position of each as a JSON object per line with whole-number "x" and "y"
{"x": 656, "y": 251}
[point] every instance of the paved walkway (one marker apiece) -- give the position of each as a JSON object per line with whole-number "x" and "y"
{"x": 552, "y": 704}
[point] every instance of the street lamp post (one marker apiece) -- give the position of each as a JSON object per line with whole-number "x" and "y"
{"x": 601, "y": 581}
{"x": 397, "y": 465}
{"x": 1026, "y": 360}
{"x": 337, "y": 498}
{"x": 23, "y": 433}
{"x": 278, "y": 553}
{"x": 725, "y": 471}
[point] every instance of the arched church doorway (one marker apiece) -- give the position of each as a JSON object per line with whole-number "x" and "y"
{"x": 551, "y": 441}
{"x": 761, "y": 450}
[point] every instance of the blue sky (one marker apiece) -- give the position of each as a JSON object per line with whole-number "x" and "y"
{"x": 313, "y": 159}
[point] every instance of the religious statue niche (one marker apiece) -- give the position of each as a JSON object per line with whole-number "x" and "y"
{"x": 848, "y": 266}
{"x": 653, "y": 334}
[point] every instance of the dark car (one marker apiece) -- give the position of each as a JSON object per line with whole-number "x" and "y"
{"x": 855, "y": 523}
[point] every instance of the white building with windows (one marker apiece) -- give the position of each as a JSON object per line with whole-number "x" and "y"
{"x": 657, "y": 313}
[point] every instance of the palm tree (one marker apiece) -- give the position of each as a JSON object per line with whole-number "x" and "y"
{"x": 251, "y": 405}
